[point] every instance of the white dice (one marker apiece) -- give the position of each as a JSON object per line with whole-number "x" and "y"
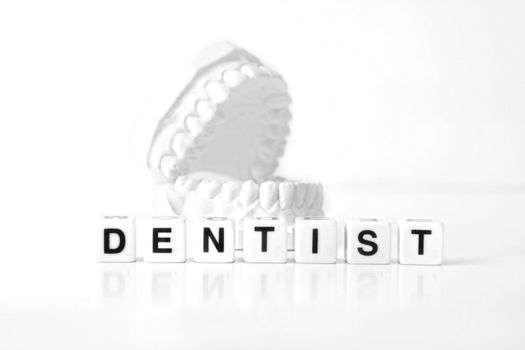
{"x": 368, "y": 241}
{"x": 264, "y": 240}
{"x": 315, "y": 240}
{"x": 116, "y": 239}
{"x": 213, "y": 240}
{"x": 420, "y": 242}
{"x": 164, "y": 238}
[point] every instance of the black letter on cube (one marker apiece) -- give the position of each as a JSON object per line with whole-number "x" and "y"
{"x": 315, "y": 241}
{"x": 122, "y": 240}
{"x": 264, "y": 236}
{"x": 421, "y": 240}
{"x": 364, "y": 241}
{"x": 157, "y": 239}
{"x": 209, "y": 235}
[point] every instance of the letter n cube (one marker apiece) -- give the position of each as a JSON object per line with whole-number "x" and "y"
{"x": 214, "y": 240}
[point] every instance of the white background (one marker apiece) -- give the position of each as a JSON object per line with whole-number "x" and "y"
{"x": 401, "y": 108}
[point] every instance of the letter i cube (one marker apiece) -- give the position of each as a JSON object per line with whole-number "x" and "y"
{"x": 264, "y": 240}
{"x": 420, "y": 242}
{"x": 116, "y": 239}
{"x": 368, "y": 241}
{"x": 315, "y": 240}
{"x": 214, "y": 240}
{"x": 164, "y": 238}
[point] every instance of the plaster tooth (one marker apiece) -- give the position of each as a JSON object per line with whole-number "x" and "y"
{"x": 286, "y": 194}
{"x": 248, "y": 193}
{"x": 267, "y": 194}
{"x": 217, "y": 92}
{"x": 179, "y": 183}
{"x": 189, "y": 185}
{"x": 252, "y": 70}
{"x": 278, "y": 101}
{"x": 167, "y": 164}
{"x": 180, "y": 143}
{"x": 300, "y": 191}
{"x": 230, "y": 190}
{"x": 208, "y": 189}
{"x": 233, "y": 78}
{"x": 194, "y": 125}
{"x": 205, "y": 109}
{"x": 311, "y": 193}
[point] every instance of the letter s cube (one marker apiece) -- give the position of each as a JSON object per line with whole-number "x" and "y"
{"x": 116, "y": 239}
{"x": 368, "y": 241}
{"x": 420, "y": 242}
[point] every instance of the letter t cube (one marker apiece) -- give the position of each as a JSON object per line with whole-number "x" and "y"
{"x": 420, "y": 242}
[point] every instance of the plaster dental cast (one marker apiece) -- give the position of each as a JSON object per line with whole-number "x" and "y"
{"x": 213, "y": 155}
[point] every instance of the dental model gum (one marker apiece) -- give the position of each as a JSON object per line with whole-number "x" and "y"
{"x": 215, "y": 150}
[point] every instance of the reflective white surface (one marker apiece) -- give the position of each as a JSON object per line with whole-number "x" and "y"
{"x": 135, "y": 306}
{"x": 475, "y": 300}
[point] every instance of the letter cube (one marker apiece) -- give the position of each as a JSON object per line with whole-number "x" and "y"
{"x": 164, "y": 238}
{"x": 214, "y": 240}
{"x": 264, "y": 240}
{"x": 315, "y": 240}
{"x": 116, "y": 239}
{"x": 368, "y": 241}
{"x": 420, "y": 242}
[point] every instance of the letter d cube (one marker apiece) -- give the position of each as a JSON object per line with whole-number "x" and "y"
{"x": 214, "y": 240}
{"x": 420, "y": 242}
{"x": 116, "y": 239}
{"x": 367, "y": 241}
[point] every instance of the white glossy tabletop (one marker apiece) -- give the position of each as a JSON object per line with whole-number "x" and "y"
{"x": 475, "y": 300}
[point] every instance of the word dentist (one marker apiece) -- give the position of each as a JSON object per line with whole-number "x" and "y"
{"x": 264, "y": 240}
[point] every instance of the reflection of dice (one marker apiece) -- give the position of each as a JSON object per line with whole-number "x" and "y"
{"x": 164, "y": 238}
{"x": 420, "y": 242}
{"x": 116, "y": 239}
{"x": 213, "y": 240}
{"x": 315, "y": 240}
{"x": 264, "y": 240}
{"x": 367, "y": 241}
